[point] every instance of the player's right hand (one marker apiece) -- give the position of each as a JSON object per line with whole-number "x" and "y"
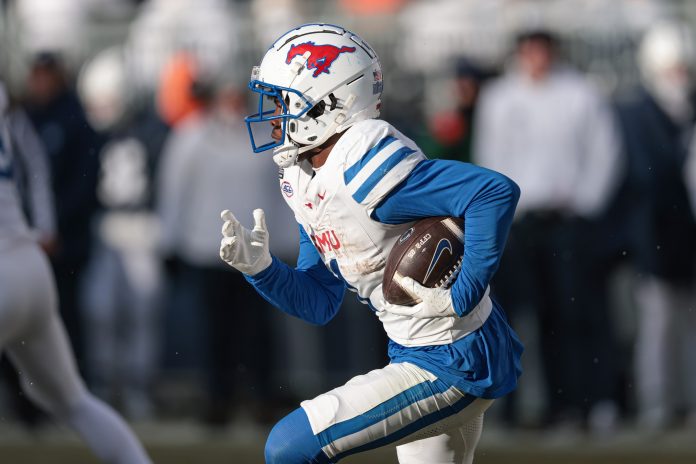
{"x": 243, "y": 249}
{"x": 432, "y": 302}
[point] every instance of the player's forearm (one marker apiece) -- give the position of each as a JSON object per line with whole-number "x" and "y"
{"x": 487, "y": 221}
{"x": 485, "y": 199}
{"x": 299, "y": 293}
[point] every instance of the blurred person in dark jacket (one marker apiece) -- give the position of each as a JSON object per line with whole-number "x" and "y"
{"x": 72, "y": 147}
{"x": 123, "y": 279}
{"x": 657, "y": 122}
{"x": 548, "y": 128}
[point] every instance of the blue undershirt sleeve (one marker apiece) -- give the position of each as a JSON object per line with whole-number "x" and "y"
{"x": 310, "y": 291}
{"x": 485, "y": 199}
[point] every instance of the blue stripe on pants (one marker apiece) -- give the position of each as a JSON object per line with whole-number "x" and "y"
{"x": 413, "y": 427}
{"x": 382, "y": 411}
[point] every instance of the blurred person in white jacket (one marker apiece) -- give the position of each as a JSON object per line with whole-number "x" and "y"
{"x": 545, "y": 126}
{"x": 206, "y": 165}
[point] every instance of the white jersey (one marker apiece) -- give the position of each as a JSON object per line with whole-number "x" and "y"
{"x": 13, "y": 225}
{"x": 334, "y": 205}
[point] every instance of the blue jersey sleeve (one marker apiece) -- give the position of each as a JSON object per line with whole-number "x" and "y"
{"x": 310, "y": 291}
{"x": 485, "y": 199}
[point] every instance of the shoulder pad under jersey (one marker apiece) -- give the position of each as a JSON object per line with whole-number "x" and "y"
{"x": 376, "y": 158}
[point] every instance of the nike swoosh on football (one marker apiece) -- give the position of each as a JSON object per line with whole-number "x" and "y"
{"x": 442, "y": 245}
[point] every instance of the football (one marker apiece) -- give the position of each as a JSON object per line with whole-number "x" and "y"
{"x": 430, "y": 252}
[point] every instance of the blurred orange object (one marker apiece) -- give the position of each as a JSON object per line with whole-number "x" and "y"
{"x": 371, "y": 7}
{"x": 175, "y": 100}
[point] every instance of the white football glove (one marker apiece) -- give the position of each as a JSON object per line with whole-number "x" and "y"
{"x": 243, "y": 249}
{"x": 434, "y": 302}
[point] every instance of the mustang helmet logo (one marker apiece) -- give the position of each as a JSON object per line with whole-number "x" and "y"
{"x": 321, "y": 56}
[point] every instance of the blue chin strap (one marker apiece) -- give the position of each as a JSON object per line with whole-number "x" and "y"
{"x": 273, "y": 91}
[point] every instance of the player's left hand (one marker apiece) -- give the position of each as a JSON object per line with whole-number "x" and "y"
{"x": 245, "y": 250}
{"x": 434, "y": 302}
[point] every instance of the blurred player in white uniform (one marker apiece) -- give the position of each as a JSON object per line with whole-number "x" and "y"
{"x": 31, "y": 332}
{"x": 355, "y": 184}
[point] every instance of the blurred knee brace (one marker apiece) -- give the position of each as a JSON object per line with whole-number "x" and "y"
{"x": 292, "y": 442}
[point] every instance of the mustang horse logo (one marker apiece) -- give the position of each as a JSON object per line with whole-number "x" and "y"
{"x": 321, "y": 56}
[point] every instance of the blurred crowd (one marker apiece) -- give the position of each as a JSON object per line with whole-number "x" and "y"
{"x": 139, "y": 106}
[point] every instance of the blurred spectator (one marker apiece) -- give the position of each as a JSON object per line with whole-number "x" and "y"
{"x": 59, "y": 26}
{"x": 690, "y": 175}
{"x": 272, "y": 18}
{"x": 175, "y": 96}
{"x": 436, "y": 32}
{"x": 371, "y": 7}
{"x": 209, "y": 29}
{"x": 122, "y": 284}
{"x": 547, "y": 128}
{"x": 207, "y": 167}
{"x": 72, "y": 145}
{"x": 450, "y": 132}
{"x": 658, "y": 122}
{"x": 63, "y": 26}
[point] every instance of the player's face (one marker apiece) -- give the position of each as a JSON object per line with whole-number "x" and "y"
{"x": 276, "y": 124}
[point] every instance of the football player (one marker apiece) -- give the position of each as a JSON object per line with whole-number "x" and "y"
{"x": 31, "y": 331}
{"x": 355, "y": 184}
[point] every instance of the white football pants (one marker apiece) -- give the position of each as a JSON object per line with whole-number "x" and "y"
{"x": 121, "y": 311}
{"x": 403, "y": 405}
{"x": 34, "y": 337}
{"x": 664, "y": 351}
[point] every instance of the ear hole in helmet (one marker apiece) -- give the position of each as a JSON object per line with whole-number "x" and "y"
{"x": 334, "y": 101}
{"x": 317, "y": 110}
{"x": 292, "y": 127}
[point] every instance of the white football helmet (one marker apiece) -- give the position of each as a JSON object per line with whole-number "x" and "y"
{"x": 665, "y": 46}
{"x": 326, "y": 79}
{"x": 667, "y": 65}
{"x": 104, "y": 88}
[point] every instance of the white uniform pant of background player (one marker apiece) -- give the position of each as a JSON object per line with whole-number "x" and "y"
{"x": 665, "y": 359}
{"x": 403, "y": 405}
{"x": 33, "y": 336}
{"x": 122, "y": 289}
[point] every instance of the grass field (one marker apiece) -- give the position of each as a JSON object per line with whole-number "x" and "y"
{"x": 184, "y": 443}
